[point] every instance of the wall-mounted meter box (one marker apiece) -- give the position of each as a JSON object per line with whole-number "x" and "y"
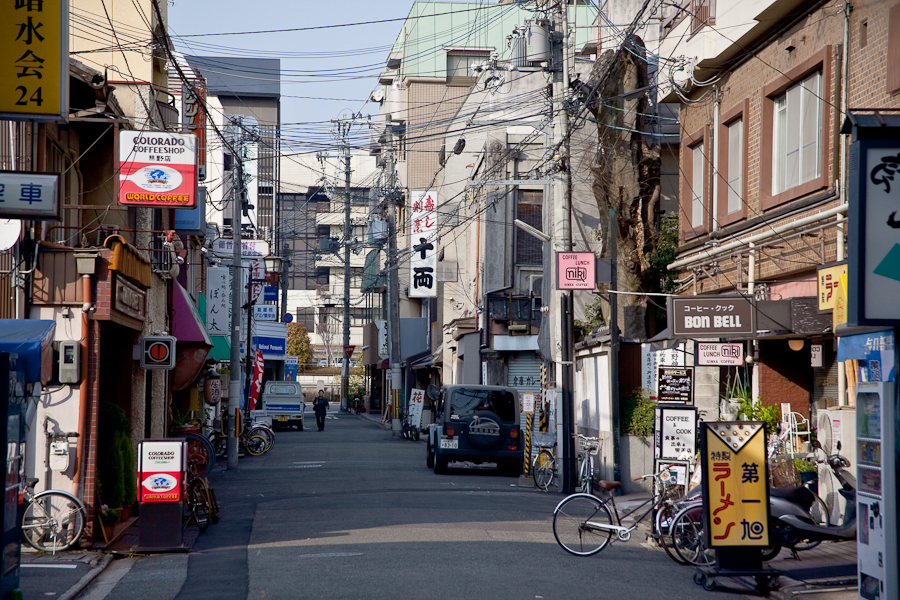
{"x": 70, "y": 362}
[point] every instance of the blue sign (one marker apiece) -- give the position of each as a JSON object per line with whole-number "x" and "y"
{"x": 193, "y": 220}
{"x": 270, "y": 345}
{"x": 290, "y": 372}
{"x": 270, "y": 294}
{"x": 288, "y": 317}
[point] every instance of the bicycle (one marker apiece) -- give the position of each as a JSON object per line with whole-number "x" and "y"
{"x": 590, "y": 446}
{"x": 583, "y": 524}
{"x": 543, "y": 466}
{"x": 53, "y": 520}
{"x": 200, "y": 503}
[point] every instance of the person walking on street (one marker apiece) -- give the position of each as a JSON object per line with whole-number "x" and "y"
{"x": 320, "y": 407}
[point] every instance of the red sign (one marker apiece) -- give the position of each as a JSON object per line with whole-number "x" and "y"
{"x": 157, "y": 168}
{"x": 259, "y": 366}
{"x": 193, "y": 101}
{"x": 348, "y": 351}
{"x": 575, "y": 271}
{"x": 161, "y": 470}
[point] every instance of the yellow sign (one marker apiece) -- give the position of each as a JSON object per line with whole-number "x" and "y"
{"x": 827, "y": 281}
{"x": 839, "y": 313}
{"x": 734, "y": 473}
{"x": 34, "y": 59}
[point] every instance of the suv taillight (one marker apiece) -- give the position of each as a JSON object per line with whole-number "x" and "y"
{"x": 514, "y": 433}
{"x": 451, "y": 431}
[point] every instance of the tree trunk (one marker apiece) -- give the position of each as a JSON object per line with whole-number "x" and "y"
{"x": 626, "y": 174}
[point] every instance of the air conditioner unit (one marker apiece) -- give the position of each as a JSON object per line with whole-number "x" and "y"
{"x": 832, "y": 426}
{"x": 105, "y": 231}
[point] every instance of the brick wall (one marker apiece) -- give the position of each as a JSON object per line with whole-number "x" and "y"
{"x": 785, "y": 376}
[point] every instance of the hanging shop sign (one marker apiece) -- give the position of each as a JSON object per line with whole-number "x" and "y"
{"x": 33, "y": 196}
{"x": 735, "y": 484}
{"x": 158, "y": 352}
{"x": 719, "y": 355}
{"x": 676, "y": 437}
{"x": 676, "y": 384}
{"x": 265, "y": 312}
{"x": 575, "y": 271}
{"x": 828, "y": 281}
{"x": 714, "y": 316}
{"x": 224, "y": 248}
{"x": 34, "y": 60}
{"x": 423, "y": 244}
{"x": 157, "y": 168}
{"x": 259, "y": 366}
{"x": 193, "y": 115}
{"x": 873, "y": 271}
{"x": 218, "y": 301}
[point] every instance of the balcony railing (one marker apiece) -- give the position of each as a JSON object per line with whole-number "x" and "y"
{"x": 703, "y": 12}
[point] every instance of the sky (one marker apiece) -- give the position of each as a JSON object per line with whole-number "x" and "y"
{"x": 324, "y": 71}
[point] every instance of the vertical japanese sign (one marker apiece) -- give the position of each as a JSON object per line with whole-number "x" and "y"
{"x": 259, "y": 366}
{"x": 423, "y": 248}
{"x": 193, "y": 99}
{"x": 735, "y": 484}
{"x": 828, "y": 279}
{"x": 218, "y": 301}
{"x": 34, "y": 59}
{"x": 157, "y": 168}
{"x": 677, "y": 439}
{"x": 416, "y": 403}
{"x": 254, "y": 275}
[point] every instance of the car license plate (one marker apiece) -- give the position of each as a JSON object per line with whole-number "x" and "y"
{"x": 450, "y": 444}
{"x": 283, "y": 418}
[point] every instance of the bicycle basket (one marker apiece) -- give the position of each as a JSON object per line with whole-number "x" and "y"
{"x": 542, "y": 439}
{"x": 588, "y": 445}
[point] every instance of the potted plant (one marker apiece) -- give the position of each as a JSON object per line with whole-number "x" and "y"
{"x": 807, "y": 469}
{"x": 108, "y": 518}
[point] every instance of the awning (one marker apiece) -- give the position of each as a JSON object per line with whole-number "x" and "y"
{"x": 32, "y": 340}
{"x": 221, "y": 349}
{"x": 423, "y": 360}
{"x": 193, "y": 344}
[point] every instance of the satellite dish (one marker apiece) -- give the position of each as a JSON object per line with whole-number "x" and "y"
{"x": 377, "y": 95}
{"x": 10, "y": 231}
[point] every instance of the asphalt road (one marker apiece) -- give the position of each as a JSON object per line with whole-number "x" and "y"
{"x": 352, "y": 512}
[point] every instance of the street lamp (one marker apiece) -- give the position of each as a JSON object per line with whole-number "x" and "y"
{"x": 273, "y": 264}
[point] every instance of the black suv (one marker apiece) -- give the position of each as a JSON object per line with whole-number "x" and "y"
{"x": 476, "y": 423}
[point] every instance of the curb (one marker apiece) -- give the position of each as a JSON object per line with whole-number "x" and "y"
{"x": 81, "y": 584}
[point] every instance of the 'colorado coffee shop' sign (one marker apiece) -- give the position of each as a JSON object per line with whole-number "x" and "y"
{"x": 718, "y": 316}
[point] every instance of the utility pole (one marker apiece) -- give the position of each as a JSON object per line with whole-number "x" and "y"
{"x": 393, "y": 286}
{"x": 343, "y": 128}
{"x": 234, "y": 375}
{"x": 562, "y": 242}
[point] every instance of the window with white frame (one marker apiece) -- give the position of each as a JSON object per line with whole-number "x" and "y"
{"x": 735, "y": 165}
{"x": 797, "y": 153}
{"x": 697, "y": 187}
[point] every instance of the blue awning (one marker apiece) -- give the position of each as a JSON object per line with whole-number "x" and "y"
{"x": 32, "y": 340}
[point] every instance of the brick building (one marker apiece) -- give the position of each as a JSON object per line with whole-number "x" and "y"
{"x": 763, "y": 166}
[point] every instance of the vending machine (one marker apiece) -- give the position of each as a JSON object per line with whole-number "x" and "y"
{"x": 876, "y": 494}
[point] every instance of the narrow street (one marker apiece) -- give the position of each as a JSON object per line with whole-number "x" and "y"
{"x": 353, "y": 512}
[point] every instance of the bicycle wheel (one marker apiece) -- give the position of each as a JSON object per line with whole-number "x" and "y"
{"x": 575, "y": 523}
{"x": 265, "y": 432}
{"x": 53, "y": 522}
{"x": 219, "y": 442}
{"x": 542, "y": 469}
{"x": 585, "y": 475}
{"x": 201, "y": 450}
{"x": 687, "y": 537}
{"x": 256, "y": 445}
{"x": 199, "y": 501}
{"x": 665, "y": 516}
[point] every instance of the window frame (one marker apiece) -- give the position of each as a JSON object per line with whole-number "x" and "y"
{"x": 468, "y": 79}
{"x": 688, "y": 143}
{"x": 741, "y": 112}
{"x": 820, "y": 61}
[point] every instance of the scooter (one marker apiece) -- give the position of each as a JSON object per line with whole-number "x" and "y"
{"x": 792, "y": 522}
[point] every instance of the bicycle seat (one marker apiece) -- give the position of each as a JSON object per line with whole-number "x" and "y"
{"x": 608, "y": 485}
{"x": 30, "y": 482}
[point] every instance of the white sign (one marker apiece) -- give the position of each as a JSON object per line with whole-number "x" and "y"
{"x": 162, "y": 456}
{"x": 29, "y": 195}
{"x": 527, "y": 402}
{"x": 416, "y": 403}
{"x": 651, "y": 362}
{"x": 423, "y": 244}
{"x": 265, "y": 312}
{"x": 292, "y": 360}
{"x": 224, "y": 248}
{"x": 816, "y": 355}
{"x": 218, "y": 301}
{"x": 720, "y": 355}
{"x": 678, "y": 434}
{"x": 881, "y": 277}
{"x": 383, "y": 351}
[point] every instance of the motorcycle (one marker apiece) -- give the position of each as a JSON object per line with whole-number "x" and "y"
{"x": 792, "y": 522}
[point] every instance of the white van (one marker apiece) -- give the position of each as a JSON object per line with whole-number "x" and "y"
{"x": 284, "y": 402}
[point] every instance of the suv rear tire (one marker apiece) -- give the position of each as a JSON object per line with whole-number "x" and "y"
{"x": 429, "y": 459}
{"x": 440, "y": 464}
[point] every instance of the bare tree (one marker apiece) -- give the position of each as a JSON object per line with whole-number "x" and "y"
{"x": 626, "y": 172}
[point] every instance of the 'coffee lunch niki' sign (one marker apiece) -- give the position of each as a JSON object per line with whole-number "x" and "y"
{"x": 157, "y": 168}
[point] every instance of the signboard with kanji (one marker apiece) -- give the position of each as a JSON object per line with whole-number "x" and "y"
{"x": 719, "y": 355}
{"x": 218, "y": 301}
{"x": 828, "y": 279}
{"x": 714, "y": 316}
{"x": 423, "y": 244}
{"x": 193, "y": 116}
{"x": 34, "y": 60}
{"x": 676, "y": 384}
{"x": 677, "y": 439}
{"x": 735, "y": 484}
{"x": 575, "y": 270}
{"x": 33, "y": 196}
{"x": 527, "y": 402}
{"x": 157, "y": 168}
{"x": 416, "y": 404}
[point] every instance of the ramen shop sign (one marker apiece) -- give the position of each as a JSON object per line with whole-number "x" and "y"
{"x": 157, "y": 168}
